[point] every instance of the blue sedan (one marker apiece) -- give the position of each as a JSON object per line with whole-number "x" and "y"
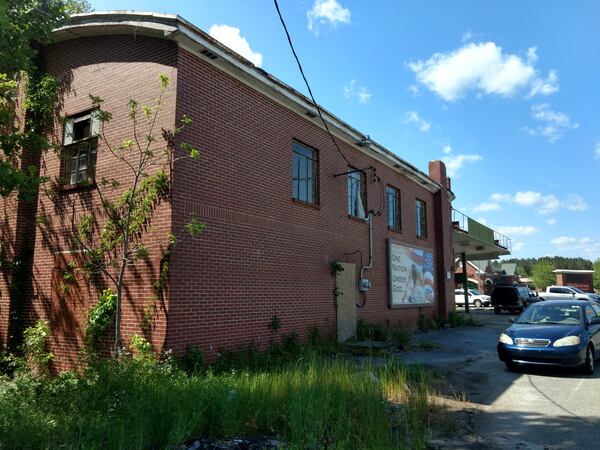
{"x": 557, "y": 333}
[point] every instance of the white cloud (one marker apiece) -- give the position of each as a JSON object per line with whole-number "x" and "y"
{"x": 325, "y": 12}
{"x": 231, "y": 37}
{"x": 420, "y": 122}
{"x": 413, "y": 89}
{"x": 482, "y": 68}
{"x": 597, "y": 151}
{"x": 518, "y": 246}
{"x": 553, "y": 124}
{"x": 543, "y": 204}
{"x": 586, "y": 245}
{"x": 545, "y": 86}
{"x": 551, "y": 222}
{"x": 487, "y": 206}
{"x": 517, "y": 230}
{"x": 447, "y": 149}
{"x": 360, "y": 93}
{"x": 563, "y": 241}
{"x": 454, "y": 163}
{"x": 467, "y": 36}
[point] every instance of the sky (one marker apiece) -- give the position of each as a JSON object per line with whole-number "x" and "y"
{"x": 504, "y": 91}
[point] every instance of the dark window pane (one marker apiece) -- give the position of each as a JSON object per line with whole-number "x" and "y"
{"x": 304, "y": 172}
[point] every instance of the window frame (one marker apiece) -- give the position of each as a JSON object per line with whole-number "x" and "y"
{"x": 314, "y": 181}
{"x": 79, "y": 156}
{"x": 397, "y": 225}
{"x": 351, "y": 198}
{"x": 421, "y": 221}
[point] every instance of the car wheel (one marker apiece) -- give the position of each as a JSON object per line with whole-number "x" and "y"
{"x": 477, "y": 303}
{"x": 588, "y": 367}
{"x": 497, "y": 310}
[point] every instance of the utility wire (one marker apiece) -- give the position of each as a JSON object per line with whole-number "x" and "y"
{"x": 381, "y": 196}
{"x": 308, "y": 85}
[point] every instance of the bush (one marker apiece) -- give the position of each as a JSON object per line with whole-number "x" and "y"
{"x": 461, "y": 320}
{"x": 99, "y": 319}
{"x": 34, "y": 346}
{"x": 193, "y": 361}
{"x": 401, "y": 336}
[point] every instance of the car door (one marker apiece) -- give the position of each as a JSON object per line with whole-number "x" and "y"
{"x": 459, "y": 296}
{"x": 595, "y": 329}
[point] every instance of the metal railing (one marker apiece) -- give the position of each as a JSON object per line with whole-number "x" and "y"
{"x": 464, "y": 223}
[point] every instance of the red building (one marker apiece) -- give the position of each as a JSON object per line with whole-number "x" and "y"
{"x": 272, "y": 230}
{"x": 582, "y": 279}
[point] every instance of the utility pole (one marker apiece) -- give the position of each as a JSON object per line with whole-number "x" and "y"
{"x": 463, "y": 257}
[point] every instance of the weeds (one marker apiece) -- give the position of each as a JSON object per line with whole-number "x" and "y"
{"x": 312, "y": 403}
{"x": 461, "y": 320}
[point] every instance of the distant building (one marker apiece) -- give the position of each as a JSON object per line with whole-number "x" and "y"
{"x": 582, "y": 279}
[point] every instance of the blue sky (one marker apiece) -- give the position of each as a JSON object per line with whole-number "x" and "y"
{"x": 505, "y": 91}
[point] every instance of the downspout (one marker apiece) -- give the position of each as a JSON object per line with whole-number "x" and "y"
{"x": 364, "y": 284}
{"x": 370, "y": 265}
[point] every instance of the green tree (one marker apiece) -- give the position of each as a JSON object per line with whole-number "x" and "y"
{"x": 597, "y": 275}
{"x": 542, "y": 274}
{"x": 112, "y": 246}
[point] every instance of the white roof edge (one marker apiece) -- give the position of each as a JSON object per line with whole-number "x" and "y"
{"x": 572, "y": 271}
{"x": 166, "y": 26}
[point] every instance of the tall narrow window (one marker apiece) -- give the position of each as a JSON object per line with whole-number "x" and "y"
{"x": 393, "y": 209}
{"x": 304, "y": 174}
{"x": 421, "y": 209}
{"x": 357, "y": 194}
{"x": 79, "y": 149}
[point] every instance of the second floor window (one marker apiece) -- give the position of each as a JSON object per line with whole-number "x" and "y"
{"x": 78, "y": 159}
{"x": 421, "y": 210}
{"x": 393, "y": 209}
{"x": 304, "y": 174}
{"x": 356, "y": 194}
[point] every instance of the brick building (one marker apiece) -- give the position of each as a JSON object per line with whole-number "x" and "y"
{"x": 582, "y": 279}
{"x": 279, "y": 201}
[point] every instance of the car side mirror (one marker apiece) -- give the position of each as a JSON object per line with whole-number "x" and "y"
{"x": 511, "y": 320}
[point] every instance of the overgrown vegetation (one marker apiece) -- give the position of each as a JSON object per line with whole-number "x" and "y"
{"x": 99, "y": 320}
{"x": 456, "y": 319}
{"x": 306, "y": 400}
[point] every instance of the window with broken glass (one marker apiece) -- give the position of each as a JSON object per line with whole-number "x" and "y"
{"x": 356, "y": 193}
{"x": 80, "y": 142}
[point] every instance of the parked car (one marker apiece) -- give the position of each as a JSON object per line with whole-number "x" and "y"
{"x": 475, "y": 298}
{"x": 512, "y": 298}
{"x": 567, "y": 293}
{"x": 554, "y": 332}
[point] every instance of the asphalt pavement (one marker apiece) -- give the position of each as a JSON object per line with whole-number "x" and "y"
{"x": 532, "y": 408}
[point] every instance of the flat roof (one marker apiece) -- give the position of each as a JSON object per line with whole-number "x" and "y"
{"x": 188, "y": 36}
{"x": 571, "y": 271}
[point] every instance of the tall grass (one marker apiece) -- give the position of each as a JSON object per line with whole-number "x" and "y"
{"x": 313, "y": 403}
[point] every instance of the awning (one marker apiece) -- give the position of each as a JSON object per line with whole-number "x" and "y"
{"x": 477, "y": 241}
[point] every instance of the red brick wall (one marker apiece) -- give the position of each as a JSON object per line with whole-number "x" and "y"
{"x": 261, "y": 253}
{"x": 115, "y": 68}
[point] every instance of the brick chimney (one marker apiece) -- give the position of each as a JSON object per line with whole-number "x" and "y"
{"x": 437, "y": 171}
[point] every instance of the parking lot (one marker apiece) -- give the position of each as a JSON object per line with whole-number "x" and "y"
{"x": 532, "y": 408}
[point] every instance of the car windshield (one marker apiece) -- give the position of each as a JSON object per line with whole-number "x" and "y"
{"x": 551, "y": 314}
{"x": 579, "y": 291}
{"x": 474, "y": 291}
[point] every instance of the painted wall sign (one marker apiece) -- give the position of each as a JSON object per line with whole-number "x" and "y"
{"x": 411, "y": 275}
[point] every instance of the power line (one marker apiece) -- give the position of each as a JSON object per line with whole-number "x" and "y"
{"x": 308, "y": 85}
